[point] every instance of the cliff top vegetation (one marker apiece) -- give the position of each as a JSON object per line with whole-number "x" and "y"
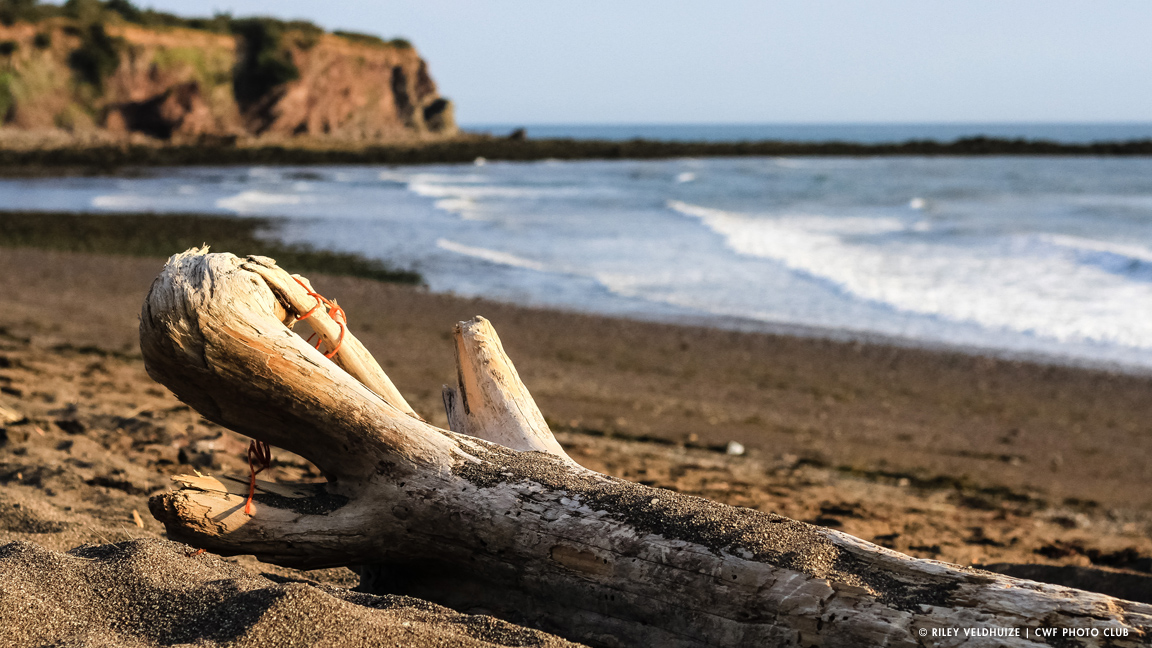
{"x": 109, "y": 70}
{"x": 123, "y": 11}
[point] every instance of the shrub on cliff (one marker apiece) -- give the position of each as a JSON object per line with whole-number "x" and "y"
{"x": 84, "y": 11}
{"x": 7, "y": 101}
{"x": 369, "y": 39}
{"x": 129, "y": 11}
{"x": 151, "y": 18}
{"x": 12, "y": 11}
{"x": 357, "y": 37}
{"x": 97, "y": 57}
{"x": 265, "y": 63}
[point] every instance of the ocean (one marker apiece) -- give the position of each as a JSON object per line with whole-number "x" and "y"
{"x": 1045, "y": 258}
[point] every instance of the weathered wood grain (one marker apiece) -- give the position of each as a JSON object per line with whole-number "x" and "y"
{"x": 528, "y": 535}
{"x": 490, "y": 401}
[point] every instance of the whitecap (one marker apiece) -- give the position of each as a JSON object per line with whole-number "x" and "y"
{"x": 492, "y": 256}
{"x": 393, "y": 176}
{"x": 249, "y": 201}
{"x": 1134, "y": 252}
{"x": 467, "y": 178}
{"x": 1122, "y": 259}
{"x": 845, "y": 225}
{"x": 122, "y": 201}
{"x": 465, "y": 208}
{"x": 440, "y": 190}
{"x": 996, "y": 285}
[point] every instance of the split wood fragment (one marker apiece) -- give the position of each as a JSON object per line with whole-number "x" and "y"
{"x": 492, "y": 516}
{"x": 9, "y": 416}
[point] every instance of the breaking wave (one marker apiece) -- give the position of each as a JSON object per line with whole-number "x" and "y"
{"x": 1006, "y": 285}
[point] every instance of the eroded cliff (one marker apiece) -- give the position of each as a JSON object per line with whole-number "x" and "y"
{"x": 237, "y": 78}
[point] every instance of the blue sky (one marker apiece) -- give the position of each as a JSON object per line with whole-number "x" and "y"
{"x": 747, "y": 61}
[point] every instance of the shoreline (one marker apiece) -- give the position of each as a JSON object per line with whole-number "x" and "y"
{"x": 154, "y": 235}
{"x": 1054, "y": 432}
{"x": 853, "y": 336}
{"x": 108, "y": 159}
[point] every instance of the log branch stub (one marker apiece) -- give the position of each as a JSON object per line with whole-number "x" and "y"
{"x": 490, "y": 400}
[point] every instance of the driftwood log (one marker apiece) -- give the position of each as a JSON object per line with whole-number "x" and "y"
{"x": 493, "y": 517}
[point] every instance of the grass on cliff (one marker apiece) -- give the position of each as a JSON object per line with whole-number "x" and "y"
{"x": 160, "y": 236}
{"x": 370, "y": 39}
{"x": 87, "y": 12}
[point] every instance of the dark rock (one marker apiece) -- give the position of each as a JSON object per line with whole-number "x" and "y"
{"x": 71, "y": 426}
{"x": 179, "y": 109}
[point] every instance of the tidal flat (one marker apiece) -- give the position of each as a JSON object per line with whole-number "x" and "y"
{"x": 103, "y": 158}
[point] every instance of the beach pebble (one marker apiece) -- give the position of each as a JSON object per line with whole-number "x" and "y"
{"x": 735, "y": 448}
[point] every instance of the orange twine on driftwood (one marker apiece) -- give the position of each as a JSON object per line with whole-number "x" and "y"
{"x": 260, "y": 453}
{"x": 334, "y": 311}
{"x": 259, "y": 458}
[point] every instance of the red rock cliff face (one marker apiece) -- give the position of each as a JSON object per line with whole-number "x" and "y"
{"x": 354, "y": 92}
{"x": 173, "y": 83}
{"x": 180, "y": 84}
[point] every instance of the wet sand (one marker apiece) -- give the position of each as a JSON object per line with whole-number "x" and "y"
{"x": 939, "y": 455}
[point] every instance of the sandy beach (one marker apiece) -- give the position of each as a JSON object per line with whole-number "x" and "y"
{"x": 939, "y": 455}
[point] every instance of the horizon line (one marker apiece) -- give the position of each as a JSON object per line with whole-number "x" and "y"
{"x": 527, "y": 124}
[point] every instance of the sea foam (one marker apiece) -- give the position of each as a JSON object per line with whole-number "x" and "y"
{"x": 1001, "y": 285}
{"x": 247, "y": 202}
{"x": 491, "y": 256}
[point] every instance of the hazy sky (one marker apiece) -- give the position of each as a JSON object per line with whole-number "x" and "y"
{"x": 722, "y": 61}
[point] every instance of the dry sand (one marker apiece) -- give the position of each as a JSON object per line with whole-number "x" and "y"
{"x": 155, "y": 592}
{"x": 938, "y": 455}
